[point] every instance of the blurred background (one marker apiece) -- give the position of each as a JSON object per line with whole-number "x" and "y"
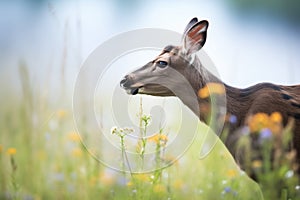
{"x": 249, "y": 41}
{"x": 42, "y": 47}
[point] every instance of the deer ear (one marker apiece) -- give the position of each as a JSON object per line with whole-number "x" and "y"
{"x": 190, "y": 24}
{"x": 195, "y": 37}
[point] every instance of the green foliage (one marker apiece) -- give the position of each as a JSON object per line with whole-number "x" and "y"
{"x": 288, "y": 11}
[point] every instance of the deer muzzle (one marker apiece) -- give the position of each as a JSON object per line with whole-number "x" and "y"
{"x": 127, "y": 84}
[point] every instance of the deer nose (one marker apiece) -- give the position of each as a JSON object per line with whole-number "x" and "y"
{"x": 124, "y": 82}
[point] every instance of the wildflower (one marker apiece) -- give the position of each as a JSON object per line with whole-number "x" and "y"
{"x": 232, "y": 119}
{"x": 178, "y": 184}
{"x": 224, "y": 182}
{"x": 232, "y": 173}
{"x": 121, "y": 132}
{"x": 146, "y": 119}
{"x": 159, "y": 188}
{"x": 113, "y": 130}
{"x": 143, "y": 177}
{"x": 74, "y": 136}
{"x": 289, "y": 174}
{"x": 261, "y": 121}
{"x": 211, "y": 88}
{"x": 203, "y": 93}
{"x": 257, "y": 122}
{"x": 227, "y": 189}
{"x": 129, "y": 184}
{"x": 276, "y": 123}
{"x": 107, "y": 179}
{"x": 11, "y": 151}
{"x": 158, "y": 139}
{"x": 276, "y": 117}
{"x": 77, "y": 152}
{"x": 1, "y": 148}
{"x": 257, "y": 164}
{"x": 41, "y": 155}
{"x": 93, "y": 181}
{"x": 265, "y": 134}
{"x": 61, "y": 113}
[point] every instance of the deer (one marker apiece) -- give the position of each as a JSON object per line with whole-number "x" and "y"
{"x": 178, "y": 71}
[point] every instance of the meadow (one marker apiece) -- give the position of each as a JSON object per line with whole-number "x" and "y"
{"x": 42, "y": 157}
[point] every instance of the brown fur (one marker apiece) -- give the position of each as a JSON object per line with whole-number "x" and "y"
{"x": 266, "y": 98}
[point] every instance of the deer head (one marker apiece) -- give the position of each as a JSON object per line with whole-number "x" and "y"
{"x": 170, "y": 71}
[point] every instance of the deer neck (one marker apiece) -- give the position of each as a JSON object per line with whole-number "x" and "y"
{"x": 199, "y": 76}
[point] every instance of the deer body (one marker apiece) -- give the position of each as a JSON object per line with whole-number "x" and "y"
{"x": 177, "y": 67}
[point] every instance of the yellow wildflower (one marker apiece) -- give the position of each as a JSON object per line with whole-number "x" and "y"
{"x": 11, "y": 151}
{"x": 276, "y": 123}
{"x": 276, "y": 117}
{"x": 211, "y": 88}
{"x": 178, "y": 184}
{"x": 129, "y": 184}
{"x": 232, "y": 173}
{"x": 41, "y": 155}
{"x": 256, "y": 164}
{"x": 93, "y": 180}
{"x": 158, "y": 138}
{"x": 61, "y": 113}
{"x": 77, "y": 152}
{"x": 142, "y": 177}
{"x": 258, "y": 121}
{"x": 107, "y": 179}
{"x": 203, "y": 93}
{"x": 159, "y": 188}
{"x": 74, "y": 136}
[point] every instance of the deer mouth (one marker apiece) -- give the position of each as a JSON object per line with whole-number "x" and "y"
{"x": 129, "y": 87}
{"x": 143, "y": 89}
{"x": 155, "y": 90}
{"x": 133, "y": 91}
{"x": 150, "y": 89}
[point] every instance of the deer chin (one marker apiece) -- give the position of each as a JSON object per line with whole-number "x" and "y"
{"x": 133, "y": 91}
{"x": 155, "y": 90}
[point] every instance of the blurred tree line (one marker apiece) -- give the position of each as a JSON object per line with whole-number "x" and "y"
{"x": 278, "y": 9}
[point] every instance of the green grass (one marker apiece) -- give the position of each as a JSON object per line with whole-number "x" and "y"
{"x": 51, "y": 163}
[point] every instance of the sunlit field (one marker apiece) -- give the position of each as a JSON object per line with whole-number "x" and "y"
{"x": 42, "y": 157}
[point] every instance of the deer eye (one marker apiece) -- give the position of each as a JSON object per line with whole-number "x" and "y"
{"x": 162, "y": 64}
